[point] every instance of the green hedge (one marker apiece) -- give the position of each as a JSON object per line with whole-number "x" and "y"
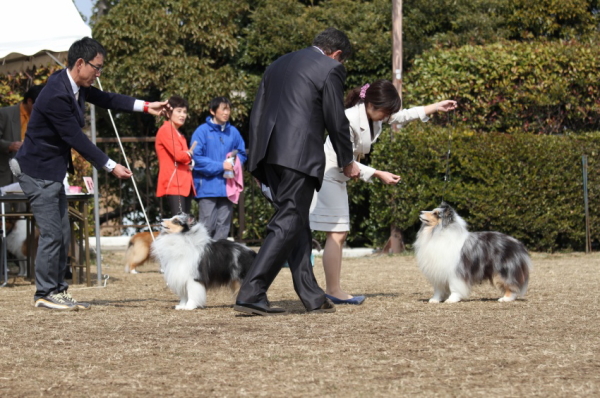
{"x": 528, "y": 186}
{"x": 541, "y": 87}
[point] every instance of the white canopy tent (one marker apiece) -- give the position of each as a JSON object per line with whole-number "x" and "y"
{"x": 38, "y": 33}
{"x": 30, "y": 29}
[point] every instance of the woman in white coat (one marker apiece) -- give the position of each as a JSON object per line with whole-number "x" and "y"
{"x": 367, "y": 107}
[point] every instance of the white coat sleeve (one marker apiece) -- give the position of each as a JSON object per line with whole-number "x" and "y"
{"x": 408, "y": 115}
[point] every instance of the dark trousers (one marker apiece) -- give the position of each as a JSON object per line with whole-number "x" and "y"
{"x": 49, "y": 207}
{"x": 179, "y": 204}
{"x": 288, "y": 238}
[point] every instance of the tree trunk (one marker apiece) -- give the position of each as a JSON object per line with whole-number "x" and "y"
{"x": 395, "y": 243}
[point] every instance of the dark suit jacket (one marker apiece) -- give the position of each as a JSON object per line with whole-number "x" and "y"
{"x": 55, "y": 126}
{"x": 10, "y": 131}
{"x": 300, "y": 95}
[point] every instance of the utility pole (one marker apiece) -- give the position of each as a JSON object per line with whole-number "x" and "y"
{"x": 101, "y": 8}
{"x": 397, "y": 45}
{"x": 395, "y": 243}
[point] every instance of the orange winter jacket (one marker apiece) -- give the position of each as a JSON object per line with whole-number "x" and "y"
{"x": 171, "y": 148}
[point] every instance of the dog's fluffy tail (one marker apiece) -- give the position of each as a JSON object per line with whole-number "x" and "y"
{"x": 133, "y": 256}
{"x": 138, "y": 250}
{"x": 526, "y": 267}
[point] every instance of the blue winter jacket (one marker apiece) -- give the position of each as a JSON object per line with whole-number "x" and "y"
{"x": 213, "y": 143}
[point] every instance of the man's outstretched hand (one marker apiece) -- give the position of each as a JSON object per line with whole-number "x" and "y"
{"x": 159, "y": 108}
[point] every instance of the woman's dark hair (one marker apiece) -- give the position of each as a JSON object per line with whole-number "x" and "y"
{"x": 178, "y": 102}
{"x": 381, "y": 94}
{"x": 215, "y": 103}
{"x": 86, "y": 49}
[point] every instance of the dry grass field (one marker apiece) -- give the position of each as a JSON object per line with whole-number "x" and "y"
{"x": 132, "y": 343}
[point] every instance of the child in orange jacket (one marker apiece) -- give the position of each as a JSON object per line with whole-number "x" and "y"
{"x": 175, "y": 160}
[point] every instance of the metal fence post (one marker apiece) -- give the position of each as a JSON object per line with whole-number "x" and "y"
{"x": 588, "y": 243}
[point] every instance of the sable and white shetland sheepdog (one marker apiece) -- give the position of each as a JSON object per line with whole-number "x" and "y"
{"x": 138, "y": 250}
{"x": 193, "y": 262}
{"x": 453, "y": 259}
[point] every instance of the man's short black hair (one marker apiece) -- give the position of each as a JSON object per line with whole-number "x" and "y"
{"x": 33, "y": 93}
{"x": 86, "y": 49}
{"x": 215, "y": 103}
{"x": 331, "y": 40}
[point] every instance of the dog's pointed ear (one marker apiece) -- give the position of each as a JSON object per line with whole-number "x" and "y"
{"x": 191, "y": 220}
{"x": 447, "y": 215}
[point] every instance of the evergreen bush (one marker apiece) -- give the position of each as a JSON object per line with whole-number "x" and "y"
{"x": 528, "y": 186}
{"x": 510, "y": 87}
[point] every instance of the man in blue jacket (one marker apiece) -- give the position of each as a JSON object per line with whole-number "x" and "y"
{"x": 215, "y": 139}
{"x": 42, "y": 161}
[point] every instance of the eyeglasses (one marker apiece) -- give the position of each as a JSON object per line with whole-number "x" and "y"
{"x": 98, "y": 68}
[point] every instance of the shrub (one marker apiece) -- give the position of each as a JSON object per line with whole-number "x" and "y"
{"x": 528, "y": 186}
{"x": 542, "y": 87}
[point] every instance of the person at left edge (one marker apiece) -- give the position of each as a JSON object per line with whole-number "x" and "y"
{"x": 55, "y": 126}
{"x": 13, "y": 124}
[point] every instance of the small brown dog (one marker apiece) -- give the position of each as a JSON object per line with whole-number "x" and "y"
{"x": 138, "y": 250}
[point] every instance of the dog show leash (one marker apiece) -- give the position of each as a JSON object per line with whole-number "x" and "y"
{"x": 174, "y": 171}
{"x": 191, "y": 150}
{"x": 127, "y": 162}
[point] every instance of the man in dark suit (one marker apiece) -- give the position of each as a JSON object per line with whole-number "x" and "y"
{"x": 301, "y": 95}
{"x": 42, "y": 161}
{"x": 13, "y": 123}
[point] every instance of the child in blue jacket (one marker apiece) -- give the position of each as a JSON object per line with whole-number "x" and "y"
{"x": 215, "y": 139}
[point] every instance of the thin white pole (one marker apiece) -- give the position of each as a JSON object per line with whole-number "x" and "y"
{"x": 96, "y": 201}
{"x": 127, "y": 164}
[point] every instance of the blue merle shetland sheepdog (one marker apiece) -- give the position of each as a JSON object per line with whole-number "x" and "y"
{"x": 453, "y": 259}
{"x": 193, "y": 262}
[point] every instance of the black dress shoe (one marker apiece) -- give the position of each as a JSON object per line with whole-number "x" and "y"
{"x": 326, "y": 307}
{"x": 260, "y": 308}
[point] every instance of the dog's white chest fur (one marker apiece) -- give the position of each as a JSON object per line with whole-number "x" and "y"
{"x": 438, "y": 252}
{"x": 193, "y": 262}
{"x": 179, "y": 255}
